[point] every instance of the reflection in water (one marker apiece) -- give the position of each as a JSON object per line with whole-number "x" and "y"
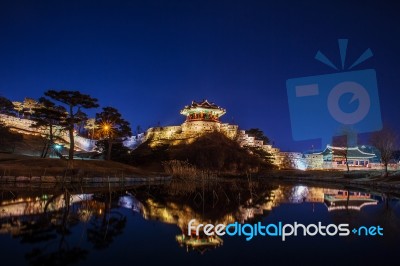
{"x": 50, "y": 220}
{"x": 38, "y": 205}
{"x": 45, "y": 219}
{"x": 63, "y": 228}
{"x": 253, "y": 202}
{"x": 201, "y": 243}
{"x": 344, "y": 200}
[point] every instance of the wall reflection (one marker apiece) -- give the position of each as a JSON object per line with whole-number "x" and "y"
{"x": 49, "y": 222}
{"x": 52, "y": 222}
{"x": 234, "y": 201}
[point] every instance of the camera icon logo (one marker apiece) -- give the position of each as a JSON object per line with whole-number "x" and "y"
{"x": 320, "y": 105}
{"x": 358, "y": 92}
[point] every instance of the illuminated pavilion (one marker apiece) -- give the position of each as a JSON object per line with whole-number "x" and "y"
{"x": 204, "y": 117}
{"x": 355, "y": 156}
{"x": 203, "y": 111}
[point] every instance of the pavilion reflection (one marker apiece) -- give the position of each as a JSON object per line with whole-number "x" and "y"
{"x": 345, "y": 200}
{"x": 43, "y": 218}
{"x": 212, "y": 202}
{"x": 333, "y": 199}
{"x": 243, "y": 202}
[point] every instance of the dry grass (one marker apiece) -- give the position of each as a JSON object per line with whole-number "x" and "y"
{"x": 20, "y": 165}
{"x": 184, "y": 170}
{"x": 180, "y": 169}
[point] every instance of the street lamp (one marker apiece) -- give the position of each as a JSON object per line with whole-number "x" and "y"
{"x": 57, "y": 147}
{"x": 107, "y": 129}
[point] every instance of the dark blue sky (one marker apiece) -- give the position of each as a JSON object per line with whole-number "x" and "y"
{"x": 150, "y": 58}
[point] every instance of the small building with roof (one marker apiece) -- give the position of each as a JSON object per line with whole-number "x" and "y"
{"x": 355, "y": 157}
{"x": 203, "y": 117}
{"x": 331, "y": 157}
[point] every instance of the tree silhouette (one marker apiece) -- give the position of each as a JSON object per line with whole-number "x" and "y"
{"x": 82, "y": 118}
{"x": 113, "y": 128}
{"x": 75, "y": 101}
{"x": 48, "y": 233}
{"x": 6, "y": 106}
{"x": 386, "y": 142}
{"x": 258, "y": 134}
{"x": 47, "y": 116}
{"x": 345, "y": 138}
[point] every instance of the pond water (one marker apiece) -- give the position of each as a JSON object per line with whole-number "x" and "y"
{"x": 149, "y": 224}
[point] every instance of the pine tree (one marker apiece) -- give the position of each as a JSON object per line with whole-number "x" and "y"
{"x": 113, "y": 128}
{"x": 47, "y": 116}
{"x": 74, "y": 101}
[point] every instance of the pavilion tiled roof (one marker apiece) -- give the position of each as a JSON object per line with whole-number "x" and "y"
{"x": 203, "y": 104}
{"x": 351, "y": 152}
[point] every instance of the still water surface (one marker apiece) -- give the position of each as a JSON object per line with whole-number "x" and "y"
{"x": 146, "y": 224}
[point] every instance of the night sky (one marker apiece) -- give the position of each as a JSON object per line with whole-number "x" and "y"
{"x": 151, "y": 58}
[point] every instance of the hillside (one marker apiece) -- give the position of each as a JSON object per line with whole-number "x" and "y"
{"x": 212, "y": 151}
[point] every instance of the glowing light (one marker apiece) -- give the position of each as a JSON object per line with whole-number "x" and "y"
{"x": 57, "y": 147}
{"x": 106, "y": 129}
{"x": 299, "y": 193}
{"x": 301, "y": 165}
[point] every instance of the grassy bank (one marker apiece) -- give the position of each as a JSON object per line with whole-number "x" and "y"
{"x": 20, "y": 165}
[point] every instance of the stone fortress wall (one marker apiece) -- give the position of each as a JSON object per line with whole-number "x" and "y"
{"x": 22, "y": 125}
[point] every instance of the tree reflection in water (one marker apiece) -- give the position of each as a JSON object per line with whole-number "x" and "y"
{"x": 52, "y": 228}
{"x": 47, "y": 223}
{"x": 105, "y": 228}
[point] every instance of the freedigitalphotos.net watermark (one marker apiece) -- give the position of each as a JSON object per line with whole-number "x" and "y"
{"x": 280, "y": 230}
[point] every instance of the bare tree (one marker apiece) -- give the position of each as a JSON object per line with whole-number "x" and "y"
{"x": 341, "y": 149}
{"x": 345, "y": 139}
{"x": 19, "y": 107}
{"x": 386, "y": 142}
